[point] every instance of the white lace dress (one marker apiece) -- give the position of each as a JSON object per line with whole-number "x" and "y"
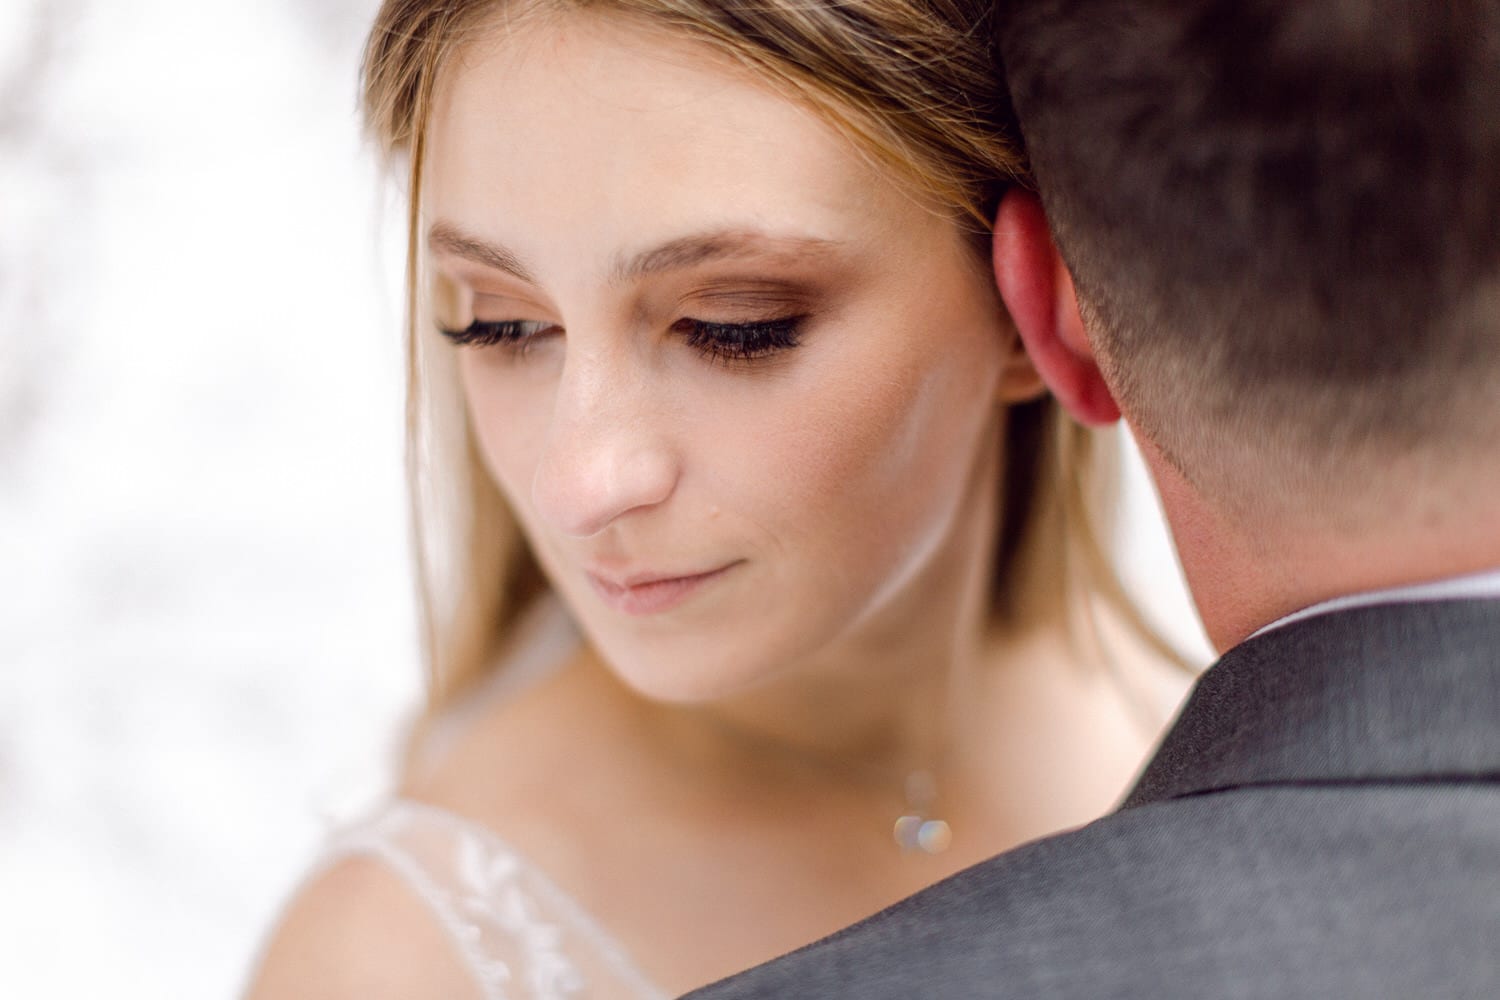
{"x": 519, "y": 936}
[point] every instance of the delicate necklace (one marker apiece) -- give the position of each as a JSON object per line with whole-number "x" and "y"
{"x": 916, "y": 831}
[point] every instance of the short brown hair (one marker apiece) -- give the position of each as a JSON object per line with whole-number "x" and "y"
{"x": 1282, "y": 218}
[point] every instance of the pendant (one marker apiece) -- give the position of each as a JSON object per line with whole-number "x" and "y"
{"x": 914, "y": 831}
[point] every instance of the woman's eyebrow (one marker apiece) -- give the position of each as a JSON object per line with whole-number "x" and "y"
{"x": 447, "y": 238}
{"x": 683, "y": 252}
{"x": 725, "y": 244}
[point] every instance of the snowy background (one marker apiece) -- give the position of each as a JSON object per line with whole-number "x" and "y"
{"x": 206, "y": 638}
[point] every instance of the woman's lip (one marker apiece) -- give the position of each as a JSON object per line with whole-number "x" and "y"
{"x": 650, "y": 594}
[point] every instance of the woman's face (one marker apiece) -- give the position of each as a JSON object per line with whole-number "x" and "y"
{"x": 735, "y": 383}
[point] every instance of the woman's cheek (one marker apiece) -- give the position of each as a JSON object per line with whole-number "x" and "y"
{"x": 832, "y": 467}
{"x": 507, "y": 419}
{"x": 886, "y": 457}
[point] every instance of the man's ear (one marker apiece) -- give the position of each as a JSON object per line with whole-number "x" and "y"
{"x": 1038, "y": 291}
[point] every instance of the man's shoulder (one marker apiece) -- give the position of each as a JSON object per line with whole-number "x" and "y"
{"x": 1367, "y": 890}
{"x": 1323, "y": 820}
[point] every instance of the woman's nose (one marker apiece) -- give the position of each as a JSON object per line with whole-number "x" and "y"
{"x": 604, "y": 455}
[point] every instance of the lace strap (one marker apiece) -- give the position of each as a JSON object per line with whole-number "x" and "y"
{"x": 520, "y": 937}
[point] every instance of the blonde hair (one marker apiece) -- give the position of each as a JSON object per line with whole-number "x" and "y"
{"x": 915, "y": 86}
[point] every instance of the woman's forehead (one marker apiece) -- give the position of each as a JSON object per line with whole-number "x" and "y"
{"x": 603, "y": 125}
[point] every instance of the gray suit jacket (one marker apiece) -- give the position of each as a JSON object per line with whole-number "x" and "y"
{"x": 1323, "y": 821}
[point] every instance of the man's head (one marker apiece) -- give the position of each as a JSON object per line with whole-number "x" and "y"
{"x": 1272, "y": 240}
{"x": 1282, "y": 218}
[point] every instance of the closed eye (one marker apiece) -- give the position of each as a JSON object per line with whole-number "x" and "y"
{"x": 487, "y": 333}
{"x": 741, "y": 341}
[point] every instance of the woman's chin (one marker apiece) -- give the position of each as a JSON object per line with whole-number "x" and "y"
{"x": 687, "y": 684}
{"x": 685, "y": 676}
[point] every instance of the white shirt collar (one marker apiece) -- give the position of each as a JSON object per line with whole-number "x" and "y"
{"x": 1485, "y": 583}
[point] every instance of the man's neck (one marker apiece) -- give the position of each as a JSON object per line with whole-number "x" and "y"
{"x": 1484, "y": 584}
{"x": 1244, "y": 578}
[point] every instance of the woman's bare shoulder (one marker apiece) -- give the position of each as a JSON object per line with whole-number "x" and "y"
{"x": 356, "y": 929}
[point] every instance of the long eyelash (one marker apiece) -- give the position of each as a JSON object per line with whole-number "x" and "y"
{"x": 482, "y": 333}
{"x": 721, "y": 341}
{"x": 742, "y": 341}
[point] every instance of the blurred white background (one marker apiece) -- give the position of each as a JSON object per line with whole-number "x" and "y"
{"x": 206, "y": 637}
{"x": 206, "y": 640}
